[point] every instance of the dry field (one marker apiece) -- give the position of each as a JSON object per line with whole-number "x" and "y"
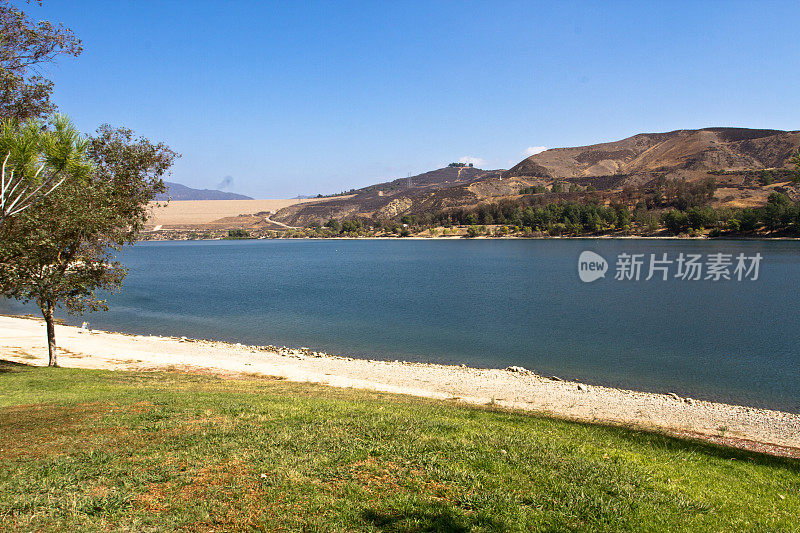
{"x": 184, "y": 213}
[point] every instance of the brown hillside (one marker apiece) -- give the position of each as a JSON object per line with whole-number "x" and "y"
{"x": 431, "y": 191}
{"x": 620, "y": 171}
{"x": 684, "y": 154}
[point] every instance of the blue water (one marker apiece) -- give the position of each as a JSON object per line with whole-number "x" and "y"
{"x": 483, "y": 303}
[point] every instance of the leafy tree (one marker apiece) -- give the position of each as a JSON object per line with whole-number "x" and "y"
{"x": 795, "y": 160}
{"x": 779, "y": 212}
{"x": 534, "y": 189}
{"x": 70, "y": 237}
{"x": 351, "y": 226}
{"x": 238, "y": 234}
{"x": 25, "y": 46}
{"x": 36, "y": 159}
{"x": 748, "y": 219}
{"x": 701, "y": 217}
{"x": 408, "y": 219}
{"x": 623, "y": 215}
{"x": 677, "y": 222}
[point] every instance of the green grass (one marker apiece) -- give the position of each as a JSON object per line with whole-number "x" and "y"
{"x": 96, "y": 450}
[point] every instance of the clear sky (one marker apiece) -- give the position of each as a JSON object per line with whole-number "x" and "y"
{"x": 292, "y": 98}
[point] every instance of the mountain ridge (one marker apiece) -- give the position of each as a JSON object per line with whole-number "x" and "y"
{"x": 615, "y": 167}
{"x": 180, "y": 192}
{"x": 684, "y": 154}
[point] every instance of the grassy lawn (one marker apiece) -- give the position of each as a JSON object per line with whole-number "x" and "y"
{"x": 96, "y": 450}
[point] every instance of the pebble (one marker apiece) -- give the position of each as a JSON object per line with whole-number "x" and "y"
{"x": 582, "y": 387}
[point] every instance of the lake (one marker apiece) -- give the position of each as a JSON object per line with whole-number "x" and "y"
{"x": 486, "y": 303}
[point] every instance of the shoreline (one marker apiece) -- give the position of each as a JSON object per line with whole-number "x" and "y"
{"x": 22, "y": 340}
{"x": 485, "y": 238}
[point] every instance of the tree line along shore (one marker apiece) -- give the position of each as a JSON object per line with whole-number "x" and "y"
{"x": 671, "y": 208}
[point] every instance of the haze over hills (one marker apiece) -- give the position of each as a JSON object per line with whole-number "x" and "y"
{"x": 176, "y": 191}
{"x": 611, "y": 167}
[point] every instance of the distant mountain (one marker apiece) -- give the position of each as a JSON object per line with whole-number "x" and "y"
{"x": 176, "y": 191}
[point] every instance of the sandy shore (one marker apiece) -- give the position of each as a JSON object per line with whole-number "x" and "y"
{"x": 23, "y": 340}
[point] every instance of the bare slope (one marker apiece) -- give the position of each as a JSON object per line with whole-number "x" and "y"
{"x": 434, "y": 190}
{"x": 683, "y": 154}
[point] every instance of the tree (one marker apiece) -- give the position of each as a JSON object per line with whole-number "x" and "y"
{"x": 748, "y": 219}
{"x": 779, "y": 213}
{"x": 676, "y": 222}
{"x": 351, "y": 226}
{"x": 36, "y": 160}
{"x": 70, "y": 236}
{"x": 238, "y": 234}
{"x": 795, "y": 160}
{"x": 25, "y": 46}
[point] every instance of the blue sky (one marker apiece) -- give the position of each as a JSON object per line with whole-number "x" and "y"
{"x": 292, "y": 98}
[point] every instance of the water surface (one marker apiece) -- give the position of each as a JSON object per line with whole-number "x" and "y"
{"x": 484, "y": 303}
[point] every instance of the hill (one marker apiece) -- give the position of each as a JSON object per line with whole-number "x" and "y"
{"x": 429, "y": 191}
{"x": 684, "y": 154}
{"x": 621, "y": 171}
{"x": 176, "y": 191}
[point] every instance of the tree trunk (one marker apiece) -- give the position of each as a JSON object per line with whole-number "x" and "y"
{"x": 47, "y": 312}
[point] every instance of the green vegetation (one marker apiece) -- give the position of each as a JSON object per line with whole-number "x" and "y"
{"x": 536, "y": 189}
{"x": 37, "y": 159}
{"x": 98, "y": 450}
{"x": 60, "y": 251}
{"x": 758, "y": 177}
{"x": 238, "y": 234}
{"x": 795, "y": 160}
{"x": 28, "y": 48}
{"x": 671, "y": 206}
{"x": 69, "y": 201}
{"x": 343, "y": 193}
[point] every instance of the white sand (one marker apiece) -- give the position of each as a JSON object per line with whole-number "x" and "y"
{"x": 23, "y": 340}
